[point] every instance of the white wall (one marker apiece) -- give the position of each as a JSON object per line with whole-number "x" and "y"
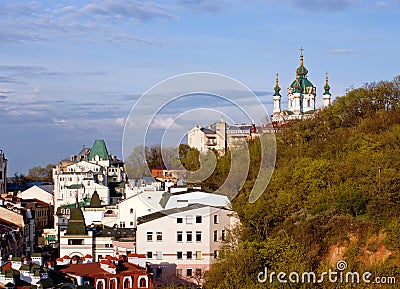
{"x": 169, "y": 246}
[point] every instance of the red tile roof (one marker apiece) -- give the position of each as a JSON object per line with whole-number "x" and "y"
{"x": 137, "y": 255}
{"x": 94, "y": 270}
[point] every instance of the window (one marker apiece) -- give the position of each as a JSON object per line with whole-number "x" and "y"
{"x": 159, "y": 255}
{"x": 75, "y": 241}
{"x": 215, "y": 254}
{"x": 179, "y": 220}
{"x": 158, "y": 273}
{"x": 122, "y": 224}
{"x": 127, "y": 283}
{"x": 142, "y": 283}
{"x": 189, "y": 236}
{"x": 131, "y": 211}
{"x": 198, "y": 219}
{"x": 189, "y": 272}
{"x": 99, "y": 285}
{"x": 198, "y": 272}
{"x": 223, "y": 235}
{"x": 189, "y": 219}
{"x": 216, "y": 219}
{"x": 179, "y": 255}
{"x": 198, "y": 255}
{"x": 215, "y": 236}
{"x": 178, "y": 272}
{"x": 198, "y": 236}
{"x": 159, "y": 236}
{"x": 149, "y": 236}
{"x": 179, "y": 236}
{"x": 112, "y": 284}
{"x": 189, "y": 255}
{"x": 149, "y": 255}
{"x": 130, "y": 223}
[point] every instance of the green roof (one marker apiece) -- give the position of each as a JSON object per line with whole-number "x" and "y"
{"x": 24, "y": 268}
{"x": 74, "y": 186}
{"x": 76, "y": 223}
{"x": 300, "y": 85}
{"x": 95, "y": 200}
{"x": 99, "y": 149}
{"x": 327, "y": 88}
{"x": 85, "y": 203}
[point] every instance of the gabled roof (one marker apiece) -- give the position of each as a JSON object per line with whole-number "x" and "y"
{"x": 37, "y": 193}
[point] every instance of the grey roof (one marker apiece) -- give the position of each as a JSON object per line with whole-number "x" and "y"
{"x": 164, "y": 199}
{"x": 207, "y": 130}
{"x": 164, "y": 213}
{"x": 240, "y": 127}
{"x": 117, "y": 233}
{"x": 48, "y": 188}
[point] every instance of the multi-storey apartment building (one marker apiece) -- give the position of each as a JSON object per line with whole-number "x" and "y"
{"x": 187, "y": 238}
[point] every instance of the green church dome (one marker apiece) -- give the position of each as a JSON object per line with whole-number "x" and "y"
{"x": 302, "y": 84}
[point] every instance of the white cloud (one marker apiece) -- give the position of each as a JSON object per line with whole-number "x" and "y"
{"x": 120, "y": 122}
{"x": 162, "y": 122}
{"x": 342, "y": 51}
{"x": 97, "y": 21}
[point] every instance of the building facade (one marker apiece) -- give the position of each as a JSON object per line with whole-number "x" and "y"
{"x": 92, "y": 170}
{"x": 186, "y": 239}
{"x": 220, "y": 136}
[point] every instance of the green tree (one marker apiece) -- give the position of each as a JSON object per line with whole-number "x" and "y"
{"x": 41, "y": 174}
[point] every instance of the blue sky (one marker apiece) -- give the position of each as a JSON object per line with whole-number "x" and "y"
{"x": 70, "y": 71}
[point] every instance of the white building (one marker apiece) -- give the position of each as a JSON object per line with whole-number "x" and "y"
{"x": 186, "y": 238}
{"x": 220, "y": 136}
{"x": 3, "y": 173}
{"x": 212, "y": 137}
{"x": 301, "y": 96}
{"x": 76, "y": 180}
{"x": 81, "y": 239}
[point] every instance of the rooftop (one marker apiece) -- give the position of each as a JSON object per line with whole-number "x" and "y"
{"x": 94, "y": 269}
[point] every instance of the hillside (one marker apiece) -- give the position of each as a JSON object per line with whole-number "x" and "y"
{"x": 334, "y": 195}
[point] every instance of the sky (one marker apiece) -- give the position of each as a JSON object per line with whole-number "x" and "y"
{"x": 71, "y": 71}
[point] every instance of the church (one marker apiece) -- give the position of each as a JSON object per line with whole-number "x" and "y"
{"x": 301, "y": 96}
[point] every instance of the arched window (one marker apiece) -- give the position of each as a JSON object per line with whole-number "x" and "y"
{"x": 100, "y": 285}
{"x": 127, "y": 283}
{"x": 142, "y": 283}
{"x": 112, "y": 284}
